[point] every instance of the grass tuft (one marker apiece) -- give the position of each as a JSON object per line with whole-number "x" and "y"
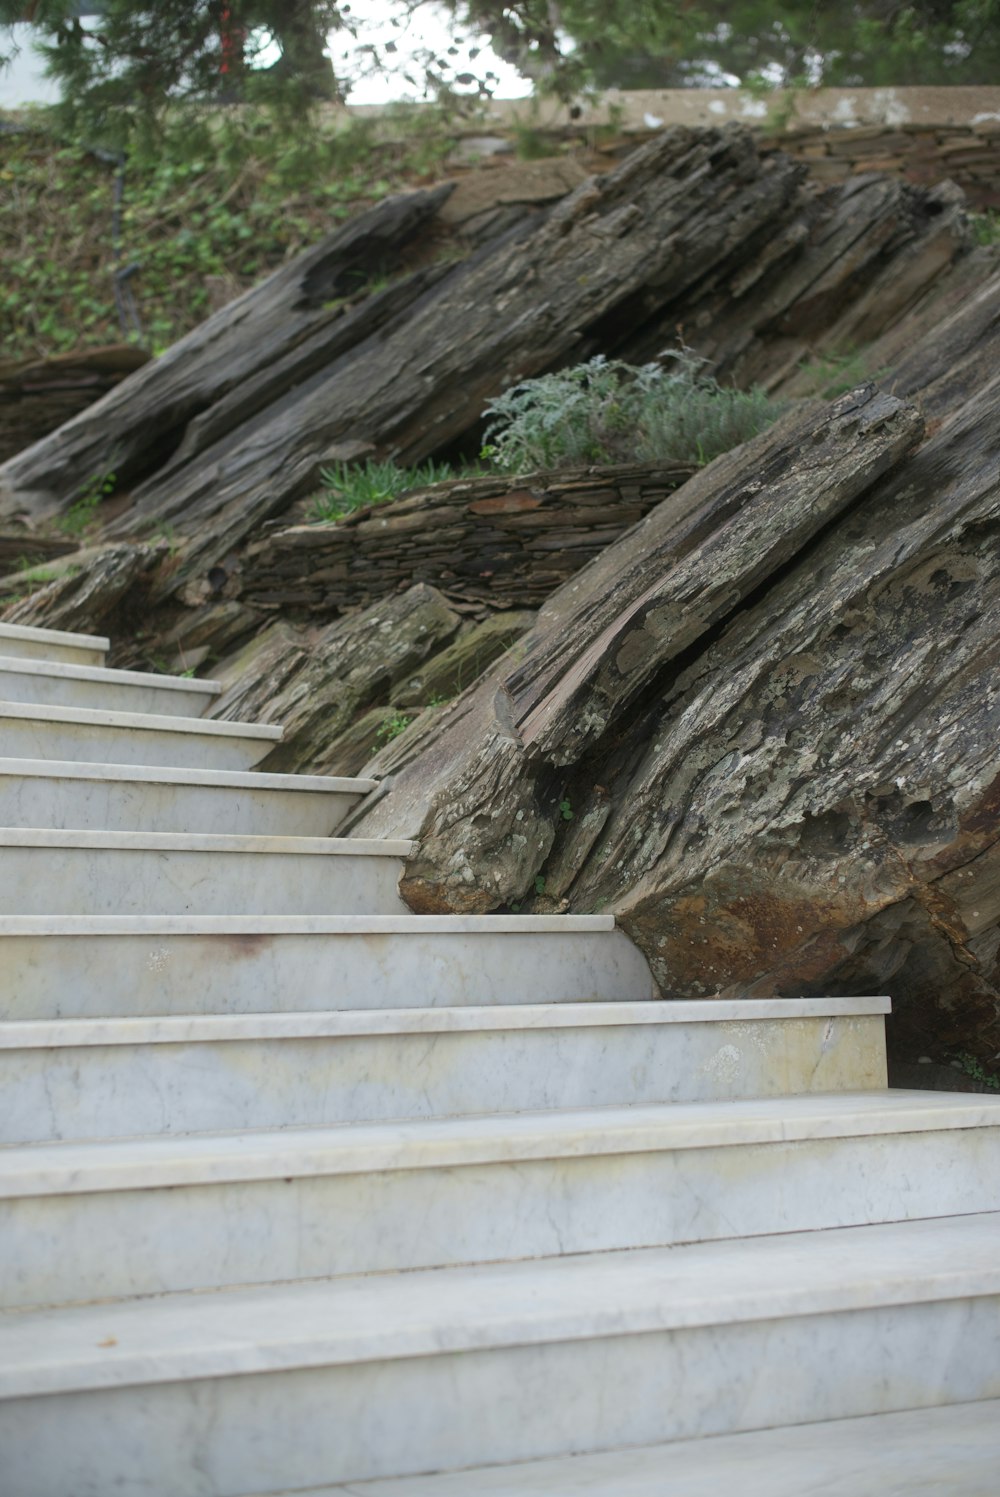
{"x": 348, "y": 487}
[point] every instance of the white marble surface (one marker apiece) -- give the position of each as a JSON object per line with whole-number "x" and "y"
{"x": 220, "y": 1437}
{"x": 334, "y": 1068}
{"x": 58, "y": 684}
{"x": 296, "y": 1385}
{"x": 114, "y": 797}
{"x": 152, "y": 1163}
{"x": 101, "y": 965}
{"x": 207, "y": 1212}
{"x": 947, "y": 1452}
{"x": 808, "y": 1031}
{"x": 166, "y": 775}
{"x": 375, "y": 1317}
{"x": 129, "y": 873}
{"x": 30, "y": 731}
{"x": 25, "y": 642}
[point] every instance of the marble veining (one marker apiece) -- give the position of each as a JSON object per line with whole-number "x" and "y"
{"x": 95, "y": 1091}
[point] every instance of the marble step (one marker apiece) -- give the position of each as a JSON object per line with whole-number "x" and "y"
{"x": 132, "y": 873}
{"x": 132, "y": 798}
{"x": 74, "y": 966}
{"x": 77, "y": 1079}
{"x": 292, "y": 1386}
{"x": 953, "y": 1451}
{"x": 52, "y": 644}
{"x": 531, "y": 1185}
{"x": 87, "y": 736}
{"x": 50, "y": 683}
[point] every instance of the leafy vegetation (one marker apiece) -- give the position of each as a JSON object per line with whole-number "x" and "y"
{"x": 606, "y": 411}
{"x": 351, "y": 486}
{"x": 83, "y": 511}
{"x": 210, "y": 208}
{"x": 393, "y": 726}
{"x": 971, "y": 1067}
{"x": 600, "y": 412}
{"x": 985, "y": 227}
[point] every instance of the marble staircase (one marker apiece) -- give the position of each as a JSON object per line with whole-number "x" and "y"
{"x": 302, "y": 1193}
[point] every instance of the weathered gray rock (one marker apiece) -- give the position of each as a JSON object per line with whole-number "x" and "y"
{"x": 463, "y": 662}
{"x": 230, "y": 368}
{"x": 788, "y": 782}
{"x": 39, "y": 395}
{"x": 103, "y": 590}
{"x": 613, "y": 632}
{"x": 319, "y": 683}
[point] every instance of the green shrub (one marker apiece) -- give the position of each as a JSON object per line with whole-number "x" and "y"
{"x": 985, "y": 227}
{"x": 607, "y": 411}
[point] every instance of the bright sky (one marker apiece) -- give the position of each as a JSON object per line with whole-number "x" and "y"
{"x": 24, "y": 82}
{"x": 428, "y": 29}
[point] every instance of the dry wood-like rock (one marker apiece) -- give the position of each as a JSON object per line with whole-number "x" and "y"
{"x": 609, "y": 636}
{"x": 847, "y": 266}
{"x": 39, "y": 395}
{"x": 772, "y": 714}
{"x": 318, "y": 684}
{"x": 232, "y": 366}
{"x": 105, "y": 593}
{"x": 692, "y": 230}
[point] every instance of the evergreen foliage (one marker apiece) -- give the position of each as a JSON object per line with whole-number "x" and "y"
{"x": 124, "y": 67}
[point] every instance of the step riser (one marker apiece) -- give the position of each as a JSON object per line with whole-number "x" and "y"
{"x": 104, "y": 695}
{"x": 121, "y": 806}
{"x": 89, "y": 881}
{"x": 30, "y": 649}
{"x": 67, "y": 1248}
{"x": 117, "y": 1091}
{"x": 948, "y": 1452}
{"x": 313, "y": 1427}
{"x": 92, "y": 743}
{"x": 25, "y": 643}
{"x": 74, "y": 976}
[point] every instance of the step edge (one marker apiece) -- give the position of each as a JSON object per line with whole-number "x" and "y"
{"x": 36, "y": 635}
{"x": 33, "y": 1171}
{"x": 44, "y": 838}
{"x": 139, "y": 721}
{"x": 41, "y": 1034}
{"x": 162, "y": 926}
{"x": 235, "y": 779}
{"x": 612, "y": 1310}
{"x": 102, "y": 675}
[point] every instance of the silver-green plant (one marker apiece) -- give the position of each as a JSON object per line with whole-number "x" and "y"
{"x": 607, "y": 411}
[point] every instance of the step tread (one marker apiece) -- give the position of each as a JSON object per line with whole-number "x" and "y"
{"x": 442, "y": 1143}
{"x": 308, "y": 925}
{"x": 54, "y": 636}
{"x": 233, "y": 779}
{"x": 106, "y": 675}
{"x": 139, "y": 721}
{"x": 213, "y": 842}
{"x": 179, "y": 1029}
{"x": 439, "y": 1311}
{"x": 953, "y": 1451}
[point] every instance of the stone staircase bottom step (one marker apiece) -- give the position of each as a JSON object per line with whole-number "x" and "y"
{"x": 396, "y": 1375}
{"x": 944, "y": 1452}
